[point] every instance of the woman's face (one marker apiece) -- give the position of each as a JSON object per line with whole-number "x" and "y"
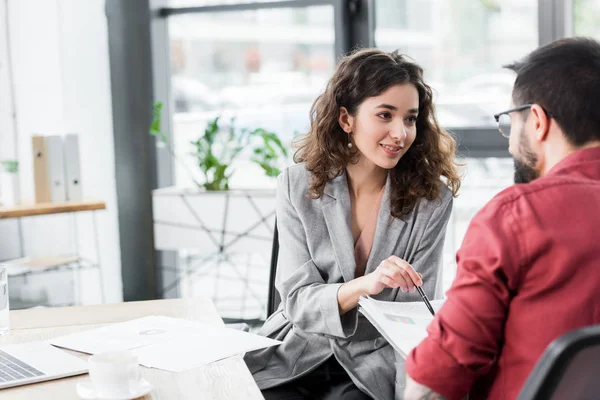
{"x": 384, "y": 126}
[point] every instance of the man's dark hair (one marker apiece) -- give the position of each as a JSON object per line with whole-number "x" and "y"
{"x": 564, "y": 78}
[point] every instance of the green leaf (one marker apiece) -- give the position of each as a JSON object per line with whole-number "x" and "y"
{"x": 156, "y": 117}
{"x": 156, "y": 123}
{"x": 211, "y": 131}
{"x": 218, "y": 147}
{"x": 10, "y": 166}
{"x": 270, "y": 171}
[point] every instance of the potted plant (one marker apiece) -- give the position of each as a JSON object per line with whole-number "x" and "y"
{"x": 213, "y": 224}
{"x": 9, "y": 183}
{"x": 220, "y": 144}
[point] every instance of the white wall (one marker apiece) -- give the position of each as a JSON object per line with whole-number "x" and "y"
{"x": 62, "y": 84}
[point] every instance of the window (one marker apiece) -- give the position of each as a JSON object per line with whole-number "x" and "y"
{"x": 483, "y": 178}
{"x": 462, "y": 45}
{"x": 201, "y": 3}
{"x": 587, "y": 18}
{"x": 263, "y": 67}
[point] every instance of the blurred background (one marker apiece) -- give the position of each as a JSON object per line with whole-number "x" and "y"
{"x": 142, "y": 83}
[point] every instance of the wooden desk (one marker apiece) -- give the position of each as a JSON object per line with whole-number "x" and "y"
{"x": 226, "y": 379}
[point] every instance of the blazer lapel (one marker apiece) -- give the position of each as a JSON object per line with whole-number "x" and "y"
{"x": 336, "y": 210}
{"x": 387, "y": 232}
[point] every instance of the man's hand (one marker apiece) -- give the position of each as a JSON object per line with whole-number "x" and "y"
{"x": 416, "y": 391}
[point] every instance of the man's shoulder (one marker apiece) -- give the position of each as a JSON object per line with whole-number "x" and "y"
{"x": 527, "y": 192}
{"x": 518, "y": 198}
{"x": 505, "y": 200}
{"x": 508, "y": 195}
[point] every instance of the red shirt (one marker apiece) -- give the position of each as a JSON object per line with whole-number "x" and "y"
{"x": 528, "y": 272}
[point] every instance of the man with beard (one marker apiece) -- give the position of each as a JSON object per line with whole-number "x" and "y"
{"x": 529, "y": 265}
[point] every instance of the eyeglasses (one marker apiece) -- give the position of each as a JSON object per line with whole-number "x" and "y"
{"x": 503, "y": 118}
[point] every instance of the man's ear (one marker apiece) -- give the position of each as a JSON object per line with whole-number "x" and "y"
{"x": 541, "y": 122}
{"x": 346, "y": 120}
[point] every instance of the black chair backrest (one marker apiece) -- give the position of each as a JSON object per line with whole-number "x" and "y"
{"x": 568, "y": 369}
{"x": 274, "y": 299}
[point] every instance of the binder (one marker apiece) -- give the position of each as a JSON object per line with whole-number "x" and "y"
{"x": 56, "y": 168}
{"x": 41, "y": 178}
{"x": 73, "y": 172}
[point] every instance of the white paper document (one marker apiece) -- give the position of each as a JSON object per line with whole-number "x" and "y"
{"x": 216, "y": 344}
{"x": 403, "y": 325}
{"x": 171, "y": 344}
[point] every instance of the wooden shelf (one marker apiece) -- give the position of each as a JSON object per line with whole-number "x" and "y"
{"x": 29, "y": 210}
{"x": 30, "y": 265}
{"x": 43, "y": 262}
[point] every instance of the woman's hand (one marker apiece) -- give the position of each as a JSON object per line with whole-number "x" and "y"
{"x": 393, "y": 272}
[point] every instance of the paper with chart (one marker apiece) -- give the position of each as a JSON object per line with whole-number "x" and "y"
{"x": 171, "y": 344}
{"x": 403, "y": 325}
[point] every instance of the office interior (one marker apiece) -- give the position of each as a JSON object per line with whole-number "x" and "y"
{"x": 139, "y": 82}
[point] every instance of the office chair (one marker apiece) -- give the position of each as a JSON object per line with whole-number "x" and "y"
{"x": 568, "y": 369}
{"x": 274, "y": 299}
{"x": 273, "y": 296}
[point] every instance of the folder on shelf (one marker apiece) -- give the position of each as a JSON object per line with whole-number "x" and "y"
{"x": 73, "y": 173}
{"x": 40, "y": 170}
{"x": 56, "y": 168}
{"x": 49, "y": 169}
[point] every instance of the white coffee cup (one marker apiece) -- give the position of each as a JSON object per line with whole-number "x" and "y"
{"x": 114, "y": 374}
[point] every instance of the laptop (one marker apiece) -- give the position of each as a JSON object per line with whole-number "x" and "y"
{"x": 22, "y": 364}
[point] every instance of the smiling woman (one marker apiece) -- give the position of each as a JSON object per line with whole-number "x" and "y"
{"x": 384, "y": 127}
{"x": 364, "y": 213}
{"x": 387, "y": 107}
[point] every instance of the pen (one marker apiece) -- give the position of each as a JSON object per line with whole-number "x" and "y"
{"x": 426, "y": 300}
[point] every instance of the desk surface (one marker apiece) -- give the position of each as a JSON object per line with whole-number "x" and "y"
{"x": 226, "y": 379}
{"x": 29, "y": 210}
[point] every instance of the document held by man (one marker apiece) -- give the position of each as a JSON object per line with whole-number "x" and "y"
{"x": 167, "y": 343}
{"x": 403, "y": 325}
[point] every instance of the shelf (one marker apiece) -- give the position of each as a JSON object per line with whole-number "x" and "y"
{"x": 41, "y": 262}
{"x": 34, "y": 265}
{"x": 17, "y": 271}
{"x": 29, "y": 210}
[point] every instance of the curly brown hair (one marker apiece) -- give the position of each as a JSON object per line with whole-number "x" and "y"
{"x": 324, "y": 151}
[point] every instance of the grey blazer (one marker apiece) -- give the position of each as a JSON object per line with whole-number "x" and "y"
{"x": 316, "y": 256}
